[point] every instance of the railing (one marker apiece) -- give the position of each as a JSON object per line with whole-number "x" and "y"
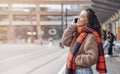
{"x": 33, "y": 22}
{"x": 24, "y": 22}
{"x": 117, "y": 47}
{"x": 4, "y": 22}
{"x": 52, "y": 22}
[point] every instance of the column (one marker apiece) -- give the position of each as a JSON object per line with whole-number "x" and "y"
{"x": 38, "y": 26}
{"x": 10, "y": 32}
{"x": 118, "y": 29}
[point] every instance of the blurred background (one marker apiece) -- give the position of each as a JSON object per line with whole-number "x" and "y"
{"x": 31, "y": 31}
{"x": 31, "y": 21}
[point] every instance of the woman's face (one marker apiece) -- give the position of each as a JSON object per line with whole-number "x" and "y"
{"x": 83, "y": 20}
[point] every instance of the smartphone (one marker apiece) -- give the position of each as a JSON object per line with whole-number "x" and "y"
{"x": 75, "y": 20}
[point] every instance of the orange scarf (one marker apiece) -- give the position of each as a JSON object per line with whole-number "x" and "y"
{"x": 100, "y": 66}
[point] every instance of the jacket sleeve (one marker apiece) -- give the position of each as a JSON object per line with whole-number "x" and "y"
{"x": 90, "y": 55}
{"x": 68, "y": 35}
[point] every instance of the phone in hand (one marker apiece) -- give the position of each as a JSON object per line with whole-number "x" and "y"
{"x": 75, "y": 20}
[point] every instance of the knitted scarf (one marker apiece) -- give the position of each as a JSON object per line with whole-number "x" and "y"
{"x": 70, "y": 65}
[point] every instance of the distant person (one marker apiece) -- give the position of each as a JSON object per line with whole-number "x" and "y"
{"x": 61, "y": 45}
{"x": 111, "y": 40}
{"x": 51, "y": 41}
{"x": 84, "y": 39}
{"x": 104, "y": 35}
{"x": 106, "y": 40}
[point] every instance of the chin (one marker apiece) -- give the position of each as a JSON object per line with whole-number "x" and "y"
{"x": 81, "y": 25}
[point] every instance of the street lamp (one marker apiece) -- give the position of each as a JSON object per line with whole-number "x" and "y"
{"x": 66, "y": 16}
{"x": 62, "y": 18}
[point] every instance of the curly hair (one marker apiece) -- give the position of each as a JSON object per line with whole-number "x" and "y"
{"x": 93, "y": 21}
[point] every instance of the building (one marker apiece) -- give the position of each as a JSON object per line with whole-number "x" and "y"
{"x": 25, "y": 21}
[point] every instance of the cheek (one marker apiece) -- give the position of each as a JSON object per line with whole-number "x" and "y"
{"x": 81, "y": 19}
{"x": 85, "y": 20}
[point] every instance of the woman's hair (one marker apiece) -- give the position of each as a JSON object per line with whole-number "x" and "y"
{"x": 93, "y": 21}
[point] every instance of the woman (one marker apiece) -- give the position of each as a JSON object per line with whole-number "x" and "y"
{"x": 84, "y": 40}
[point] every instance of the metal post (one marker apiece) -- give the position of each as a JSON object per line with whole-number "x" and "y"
{"x": 66, "y": 16}
{"x": 115, "y": 28}
{"x": 62, "y": 16}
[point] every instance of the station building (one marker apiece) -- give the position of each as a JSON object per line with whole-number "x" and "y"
{"x": 23, "y": 21}
{"x": 27, "y": 21}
